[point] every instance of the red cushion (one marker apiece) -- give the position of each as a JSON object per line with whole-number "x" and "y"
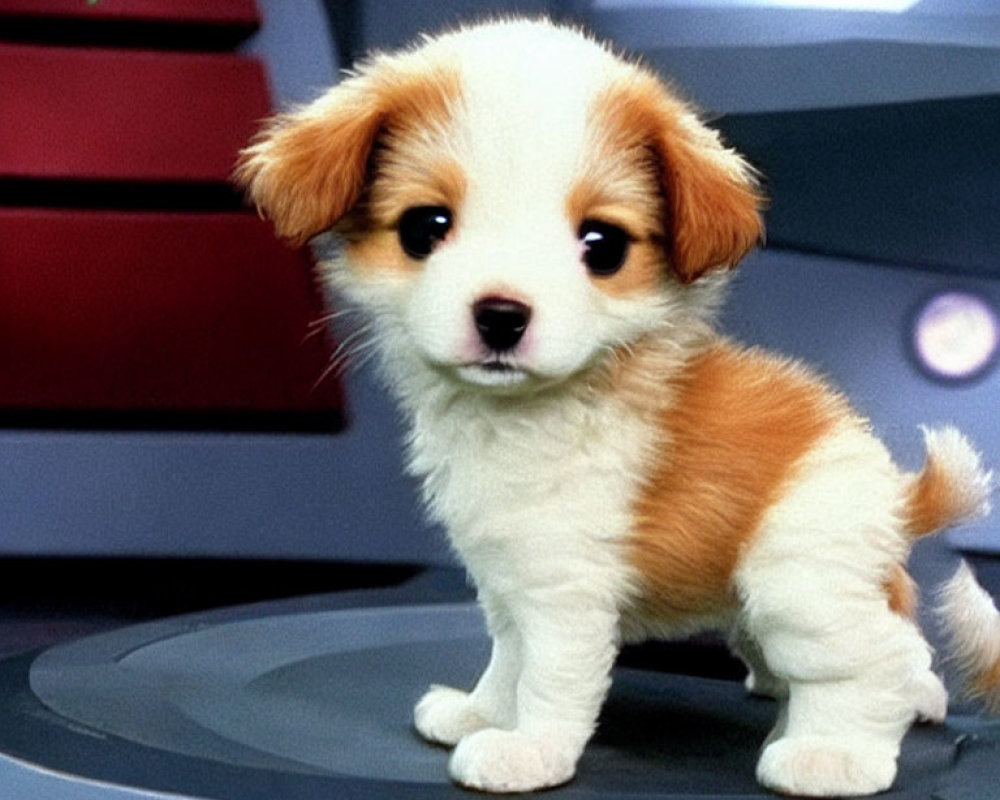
{"x": 216, "y": 11}
{"x": 156, "y": 311}
{"x": 94, "y": 114}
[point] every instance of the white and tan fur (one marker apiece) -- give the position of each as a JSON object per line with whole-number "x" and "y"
{"x": 622, "y": 472}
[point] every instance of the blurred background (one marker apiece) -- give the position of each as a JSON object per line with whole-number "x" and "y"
{"x": 170, "y": 436}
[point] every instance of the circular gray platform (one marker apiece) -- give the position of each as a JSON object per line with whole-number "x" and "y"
{"x": 315, "y": 693}
{"x": 294, "y": 702}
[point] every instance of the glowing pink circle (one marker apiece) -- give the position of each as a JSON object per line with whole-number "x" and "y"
{"x": 956, "y": 335}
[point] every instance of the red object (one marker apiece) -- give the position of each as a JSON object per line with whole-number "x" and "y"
{"x": 218, "y": 11}
{"x": 158, "y": 24}
{"x": 134, "y": 288}
{"x": 125, "y": 115}
{"x": 159, "y": 312}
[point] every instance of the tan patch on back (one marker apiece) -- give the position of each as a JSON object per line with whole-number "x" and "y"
{"x": 739, "y": 423}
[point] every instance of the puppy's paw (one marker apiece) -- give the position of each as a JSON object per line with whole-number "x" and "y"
{"x": 931, "y": 698}
{"x": 816, "y": 766}
{"x": 444, "y": 715}
{"x": 493, "y": 760}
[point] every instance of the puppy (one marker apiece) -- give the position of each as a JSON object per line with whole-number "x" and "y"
{"x": 538, "y": 233}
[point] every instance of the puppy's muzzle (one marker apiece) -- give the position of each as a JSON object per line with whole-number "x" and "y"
{"x": 500, "y": 322}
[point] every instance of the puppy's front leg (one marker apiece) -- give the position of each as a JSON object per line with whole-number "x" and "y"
{"x": 568, "y": 645}
{"x": 445, "y": 715}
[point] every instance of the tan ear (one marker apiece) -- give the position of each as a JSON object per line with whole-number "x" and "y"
{"x": 713, "y": 199}
{"x": 306, "y": 169}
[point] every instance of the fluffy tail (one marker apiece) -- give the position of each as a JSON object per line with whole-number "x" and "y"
{"x": 971, "y": 624}
{"x": 952, "y": 487}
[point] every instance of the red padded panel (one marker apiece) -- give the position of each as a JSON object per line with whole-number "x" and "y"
{"x": 215, "y": 11}
{"x": 91, "y": 114}
{"x": 150, "y": 311}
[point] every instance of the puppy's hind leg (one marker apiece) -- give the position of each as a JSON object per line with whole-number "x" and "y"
{"x": 851, "y": 665}
{"x": 760, "y": 681}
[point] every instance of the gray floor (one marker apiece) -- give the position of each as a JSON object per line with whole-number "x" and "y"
{"x": 309, "y": 697}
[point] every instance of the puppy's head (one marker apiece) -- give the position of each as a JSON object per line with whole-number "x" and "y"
{"x": 514, "y": 201}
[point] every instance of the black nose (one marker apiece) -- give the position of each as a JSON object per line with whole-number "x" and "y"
{"x": 501, "y": 322}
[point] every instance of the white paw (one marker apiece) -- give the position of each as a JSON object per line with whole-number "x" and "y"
{"x": 493, "y": 760}
{"x": 931, "y": 698}
{"x": 816, "y": 766}
{"x": 444, "y": 715}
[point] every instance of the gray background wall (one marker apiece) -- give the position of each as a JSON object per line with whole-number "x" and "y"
{"x": 345, "y": 497}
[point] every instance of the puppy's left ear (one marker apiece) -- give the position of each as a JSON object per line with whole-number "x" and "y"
{"x": 713, "y": 199}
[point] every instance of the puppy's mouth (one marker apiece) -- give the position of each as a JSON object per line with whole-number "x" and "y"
{"x": 495, "y": 372}
{"x": 496, "y": 365}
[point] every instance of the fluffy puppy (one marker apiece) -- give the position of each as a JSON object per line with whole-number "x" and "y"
{"x": 538, "y": 233}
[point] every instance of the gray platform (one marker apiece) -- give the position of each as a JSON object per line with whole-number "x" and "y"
{"x": 311, "y": 698}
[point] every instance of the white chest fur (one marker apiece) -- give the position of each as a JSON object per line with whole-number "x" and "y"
{"x": 533, "y": 492}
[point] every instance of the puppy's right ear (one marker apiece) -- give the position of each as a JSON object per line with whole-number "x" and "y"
{"x": 306, "y": 168}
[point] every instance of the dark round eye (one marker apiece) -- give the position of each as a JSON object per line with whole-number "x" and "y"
{"x": 604, "y": 246}
{"x": 421, "y": 228}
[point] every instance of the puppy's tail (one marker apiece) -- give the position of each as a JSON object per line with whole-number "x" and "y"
{"x": 953, "y": 486}
{"x": 971, "y": 626}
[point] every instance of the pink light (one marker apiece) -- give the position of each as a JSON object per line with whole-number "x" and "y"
{"x": 956, "y": 335}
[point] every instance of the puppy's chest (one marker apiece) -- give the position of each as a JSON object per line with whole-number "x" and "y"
{"x": 558, "y": 473}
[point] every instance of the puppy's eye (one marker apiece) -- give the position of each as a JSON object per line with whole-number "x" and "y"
{"x": 604, "y": 246}
{"x": 421, "y": 228}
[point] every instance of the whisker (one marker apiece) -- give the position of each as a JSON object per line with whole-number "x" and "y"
{"x": 322, "y": 325}
{"x": 335, "y": 315}
{"x": 356, "y": 347}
